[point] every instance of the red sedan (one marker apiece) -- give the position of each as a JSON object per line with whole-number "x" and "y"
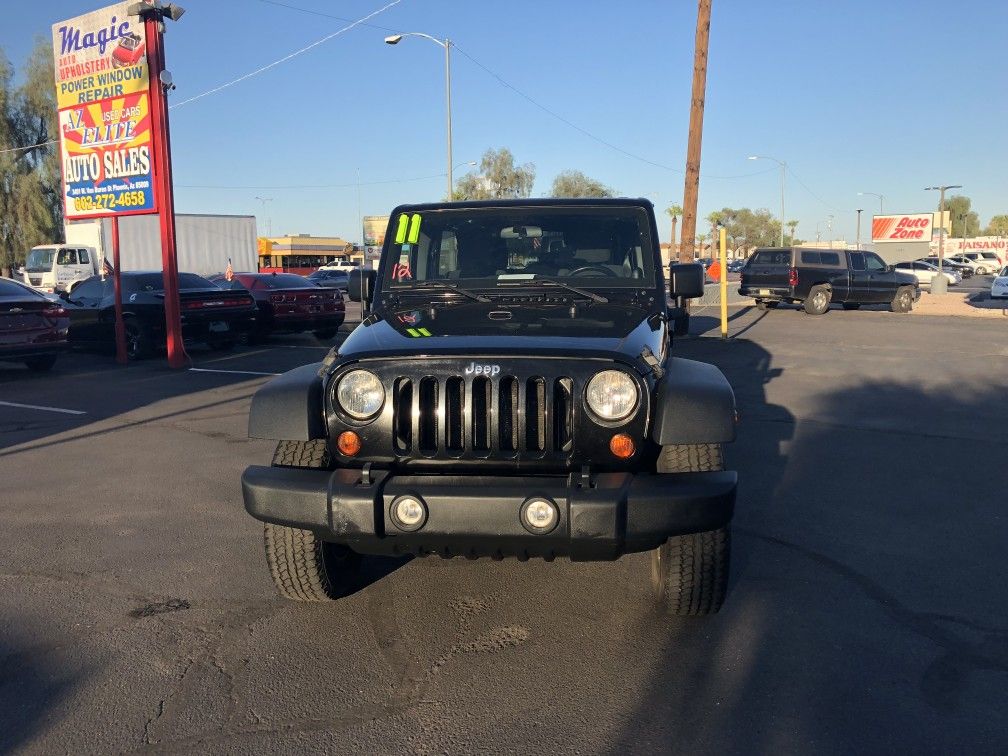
{"x": 33, "y": 329}
{"x": 289, "y": 303}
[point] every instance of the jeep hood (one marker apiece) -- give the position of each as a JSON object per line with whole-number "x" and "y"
{"x": 613, "y": 330}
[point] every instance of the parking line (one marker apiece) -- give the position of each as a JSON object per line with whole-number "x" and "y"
{"x": 237, "y": 372}
{"x": 44, "y": 409}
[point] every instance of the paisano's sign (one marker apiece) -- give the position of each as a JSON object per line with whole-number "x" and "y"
{"x": 103, "y": 97}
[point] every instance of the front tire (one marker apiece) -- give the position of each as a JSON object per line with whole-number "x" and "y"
{"x": 689, "y": 573}
{"x": 303, "y": 566}
{"x": 41, "y": 364}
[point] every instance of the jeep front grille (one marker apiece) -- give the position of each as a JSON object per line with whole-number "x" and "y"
{"x": 505, "y": 416}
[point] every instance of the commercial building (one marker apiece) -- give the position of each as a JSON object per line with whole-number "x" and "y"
{"x": 304, "y": 252}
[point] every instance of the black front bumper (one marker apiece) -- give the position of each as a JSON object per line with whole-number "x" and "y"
{"x": 471, "y": 515}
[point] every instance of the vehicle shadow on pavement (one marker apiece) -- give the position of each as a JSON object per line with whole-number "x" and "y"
{"x": 31, "y": 690}
{"x": 866, "y": 608}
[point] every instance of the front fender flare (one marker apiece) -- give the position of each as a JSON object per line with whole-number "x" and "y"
{"x": 289, "y": 407}
{"x": 694, "y": 404}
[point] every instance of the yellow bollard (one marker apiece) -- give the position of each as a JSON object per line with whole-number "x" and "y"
{"x": 724, "y": 284}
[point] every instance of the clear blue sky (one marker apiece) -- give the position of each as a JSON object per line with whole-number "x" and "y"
{"x": 886, "y": 97}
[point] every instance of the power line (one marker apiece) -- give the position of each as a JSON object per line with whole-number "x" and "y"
{"x": 348, "y": 27}
{"x": 294, "y": 54}
{"x": 323, "y": 15}
{"x": 312, "y": 186}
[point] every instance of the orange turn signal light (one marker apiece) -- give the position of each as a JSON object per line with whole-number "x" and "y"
{"x": 348, "y": 443}
{"x": 622, "y": 446}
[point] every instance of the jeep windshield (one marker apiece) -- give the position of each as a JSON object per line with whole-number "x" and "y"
{"x": 40, "y": 260}
{"x": 489, "y": 248}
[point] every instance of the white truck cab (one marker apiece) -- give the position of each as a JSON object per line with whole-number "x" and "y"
{"x": 52, "y": 268}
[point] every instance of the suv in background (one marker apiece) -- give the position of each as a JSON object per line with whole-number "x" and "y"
{"x": 816, "y": 277}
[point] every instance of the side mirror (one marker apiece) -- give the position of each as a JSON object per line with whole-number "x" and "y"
{"x": 361, "y": 285}
{"x": 686, "y": 280}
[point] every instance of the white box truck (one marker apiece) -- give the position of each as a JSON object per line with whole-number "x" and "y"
{"x": 204, "y": 243}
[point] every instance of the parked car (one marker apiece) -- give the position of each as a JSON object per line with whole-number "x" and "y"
{"x": 290, "y": 303}
{"x": 331, "y": 278}
{"x": 33, "y": 328}
{"x": 208, "y": 314}
{"x": 987, "y": 261}
{"x": 999, "y": 288}
{"x": 926, "y": 272}
{"x": 735, "y": 266}
{"x": 973, "y": 265}
{"x": 817, "y": 277}
{"x": 950, "y": 266}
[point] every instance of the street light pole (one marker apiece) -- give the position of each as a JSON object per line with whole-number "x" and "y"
{"x": 783, "y": 170}
{"x": 394, "y": 39}
{"x": 875, "y": 194}
{"x": 943, "y": 287}
{"x": 858, "y": 245}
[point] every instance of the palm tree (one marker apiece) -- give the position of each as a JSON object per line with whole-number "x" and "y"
{"x": 792, "y": 225}
{"x": 674, "y": 212}
{"x": 714, "y": 219}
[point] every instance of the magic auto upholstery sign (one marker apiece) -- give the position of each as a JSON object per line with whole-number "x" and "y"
{"x": 103, "y": 96}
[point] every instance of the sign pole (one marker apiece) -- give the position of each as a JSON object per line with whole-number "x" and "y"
{"x": 724, "y": 283}
{"x": 120, "y": 326}
{"x": 177, "y": 357}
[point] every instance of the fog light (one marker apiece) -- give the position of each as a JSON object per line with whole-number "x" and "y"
{"x": 408, "y": 513}
{"x": 539, "y": 515}
{"x": 622, "y": 446}
{"x": 348, "y": 443}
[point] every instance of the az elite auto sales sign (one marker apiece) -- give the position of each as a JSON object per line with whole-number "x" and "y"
{"x": 103, "y": 97}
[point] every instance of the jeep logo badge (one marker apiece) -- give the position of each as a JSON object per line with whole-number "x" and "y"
{"x": 482, "y": 369}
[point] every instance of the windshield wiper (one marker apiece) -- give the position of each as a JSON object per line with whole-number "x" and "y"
{"x": 539, "y": 281}
{"x": 444, "y": 285}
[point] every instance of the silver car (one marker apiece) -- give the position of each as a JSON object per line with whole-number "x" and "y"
{"x": 926, "y": 272}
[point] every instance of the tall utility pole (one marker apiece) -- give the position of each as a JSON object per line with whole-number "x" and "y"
{"x": 269, "y": 222}
{"x": 692, "y": 188}
{"x": 783, "y": 171}
{"x": 858, "y": 246}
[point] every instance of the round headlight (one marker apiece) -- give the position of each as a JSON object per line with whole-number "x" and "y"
{"x": 360, "y": 394}
{"x": 611, "y": 394}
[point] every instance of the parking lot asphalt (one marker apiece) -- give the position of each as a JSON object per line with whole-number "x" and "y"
{"x": 867, "y": 611}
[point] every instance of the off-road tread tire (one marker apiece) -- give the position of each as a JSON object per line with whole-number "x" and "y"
{"x": 305, "y": 568}
{"x": 807, "y": 305}
{"x": 696, "y": 573}
{"x": 689, "y": 573}
{"x": 681, "y": 458}
{"x": 311, "y": 454}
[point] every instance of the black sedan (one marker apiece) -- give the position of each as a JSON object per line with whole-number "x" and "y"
{"x": 33, "y": 329}
{"x": 208, "y": 314}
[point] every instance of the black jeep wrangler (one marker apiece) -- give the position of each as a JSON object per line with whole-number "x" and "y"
{"x": 510, "y": 392}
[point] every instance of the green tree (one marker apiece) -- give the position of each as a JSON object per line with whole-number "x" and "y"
{"x": 998, "y": 226}
{"x": 965, "y": 222}
{"x": 31, "y": 209}
{"x": 675, "y": 213}
{"x": 576, "y": 184}
{"x": 499, "y": 178}
{"x": 792, "y": 227}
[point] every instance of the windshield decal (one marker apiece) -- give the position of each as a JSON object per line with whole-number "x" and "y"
{"x": 414, "y": 229}
{"x": 400, "y": 234}
{"x": 418, "y": 333}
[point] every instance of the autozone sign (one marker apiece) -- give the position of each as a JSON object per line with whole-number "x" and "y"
{"x": 916, "y": 227}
